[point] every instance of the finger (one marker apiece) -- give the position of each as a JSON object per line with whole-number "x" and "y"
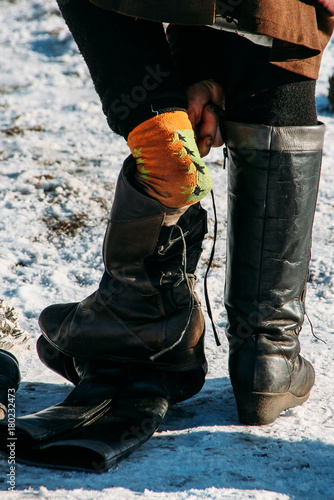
{"x": 198, "y": 96}
{"x": 216, "y": 93}
{"x": 196, "y": 104}
{"x": 207, "y": 133}
{"x": 218, "y": 141}
{"x": 209, "y": 123}
{"x": 192, "y": 115}
{"x": 204, "y": 145}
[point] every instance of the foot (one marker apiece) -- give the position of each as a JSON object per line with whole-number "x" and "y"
{"x": 269, "y": 376}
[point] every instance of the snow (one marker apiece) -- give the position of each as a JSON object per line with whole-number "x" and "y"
{"x": 59, "y": 164}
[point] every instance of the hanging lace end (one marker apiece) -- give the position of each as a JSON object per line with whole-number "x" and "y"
{"x": 206, "y": 293}
{"x": 312, "y": 329}
{"x": 217, "y": 339}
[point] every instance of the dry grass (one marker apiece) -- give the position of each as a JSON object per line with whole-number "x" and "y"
{"x": 15, "y": 130}
{"x": 62, "y": 228}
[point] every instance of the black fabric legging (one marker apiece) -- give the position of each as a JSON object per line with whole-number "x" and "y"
{"x": 256, "y": 91}
{"x": 129, "y": 62}
{"x": 136, "y": 73}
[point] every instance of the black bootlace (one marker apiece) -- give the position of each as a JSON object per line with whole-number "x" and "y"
{"x": 206, "y": 293}
{"x": 184, "y": 276}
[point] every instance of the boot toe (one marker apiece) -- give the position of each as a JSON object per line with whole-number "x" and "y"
{"x": 52, "y": 317}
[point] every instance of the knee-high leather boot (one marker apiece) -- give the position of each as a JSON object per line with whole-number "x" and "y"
{"x": 145, "y": 309}
{"x": 273, "y": 177}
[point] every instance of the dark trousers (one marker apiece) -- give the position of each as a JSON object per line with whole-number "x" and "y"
{"x": 136, "y": 72}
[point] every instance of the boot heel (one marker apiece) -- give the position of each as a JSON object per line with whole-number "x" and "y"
{"x": 262, "y": 409}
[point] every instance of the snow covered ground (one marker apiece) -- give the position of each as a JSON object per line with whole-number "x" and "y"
{"x": 59, "y": 164}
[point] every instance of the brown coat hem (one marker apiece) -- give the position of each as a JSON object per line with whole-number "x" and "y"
{"x": 300, "y": 30}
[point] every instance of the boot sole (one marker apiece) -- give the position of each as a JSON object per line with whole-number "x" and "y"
{"x": 262, "y": 409}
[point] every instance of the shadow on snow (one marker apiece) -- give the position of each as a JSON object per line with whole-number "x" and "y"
{"x": 200, "y": 445}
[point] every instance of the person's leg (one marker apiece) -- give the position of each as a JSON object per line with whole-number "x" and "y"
{"x": 129, "y": 63}
{"x": 142, "y": 98}
{"x": 274, "y": 145}
{"x": 145, "y": 309}
{"x": 255, "y": 90}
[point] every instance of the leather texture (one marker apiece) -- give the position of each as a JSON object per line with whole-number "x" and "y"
{"x": 57, "y": 361}
{"x": 146, "y": 301}
{"x": 273, "y": 178}
{"x": 106, "y": 417}
{"x": 10, "y": 376}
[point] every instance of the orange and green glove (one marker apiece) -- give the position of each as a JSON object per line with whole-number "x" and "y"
{"x": 169, "y": 165}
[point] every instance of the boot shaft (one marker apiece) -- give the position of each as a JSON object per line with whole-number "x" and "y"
{"x": 145, "y": 309}
{"x": 142, "y": 234}
{"x": 273, "y": 182}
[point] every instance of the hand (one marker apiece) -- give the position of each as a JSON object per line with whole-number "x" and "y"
{"x": 203, "y": 99}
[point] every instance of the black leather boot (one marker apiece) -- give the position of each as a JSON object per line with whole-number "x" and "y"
{"x": 10, "y": 378}
{"x": 145, "y": 310}
{"x": 273, "y": 178}
{"x": 107, "y": 416}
